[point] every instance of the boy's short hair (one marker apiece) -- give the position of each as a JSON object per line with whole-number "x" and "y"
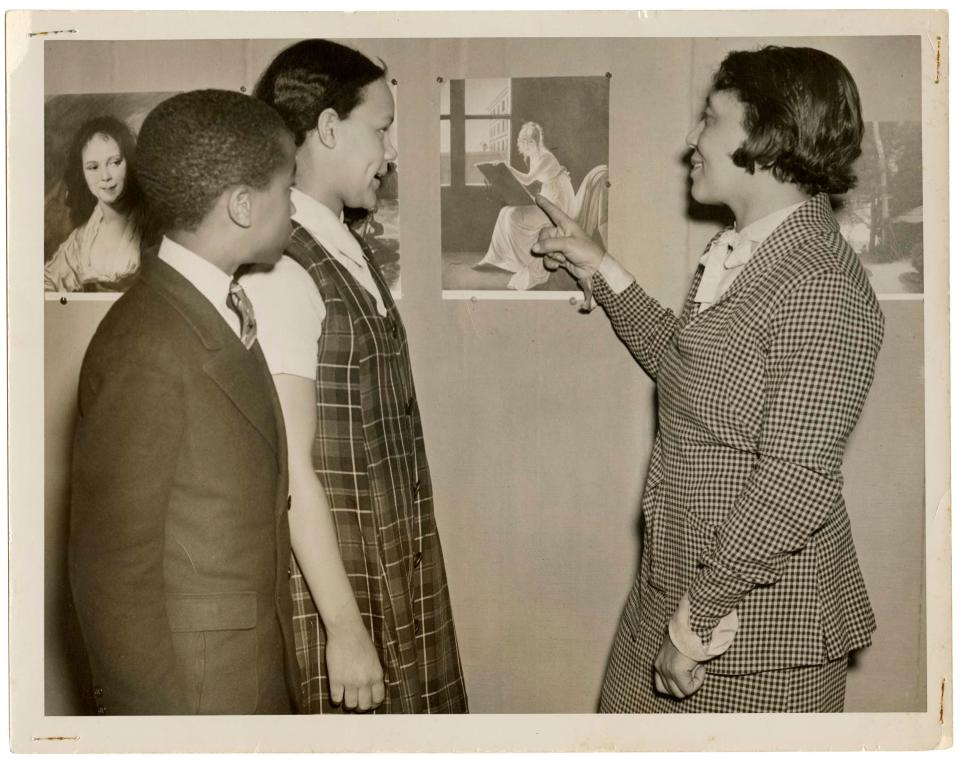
{"x": 801, "y": 115}
{"x": 313, "y": 75}
{"x": 195, "y": 145}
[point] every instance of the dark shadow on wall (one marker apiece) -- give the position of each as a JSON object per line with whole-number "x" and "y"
{"x": 67, "y": 682}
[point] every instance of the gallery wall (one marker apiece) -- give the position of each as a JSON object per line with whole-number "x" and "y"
{"x": 538, "y": 423}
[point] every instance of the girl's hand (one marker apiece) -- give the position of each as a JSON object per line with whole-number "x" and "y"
{"x": 354, "y": 670}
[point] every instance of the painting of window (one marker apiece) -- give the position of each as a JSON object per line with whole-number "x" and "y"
{"x": 502, "y": 141}
{"x": 479, "y": 110}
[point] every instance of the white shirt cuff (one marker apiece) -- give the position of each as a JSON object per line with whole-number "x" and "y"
{"x": 688, "y": 641}
{"x": 616, "y": 276}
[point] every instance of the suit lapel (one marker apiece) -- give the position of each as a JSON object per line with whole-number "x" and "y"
{"x": 239, "y": 375}
{"x": 811, "y": 219}
{"x": 238, "y": 372}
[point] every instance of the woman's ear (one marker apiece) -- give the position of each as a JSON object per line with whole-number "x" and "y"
{"x": 240, "y": 206}
{"x": 328, "y": 124}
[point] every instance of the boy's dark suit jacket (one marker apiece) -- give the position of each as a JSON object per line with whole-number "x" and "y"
{"x": 179, "y": 542}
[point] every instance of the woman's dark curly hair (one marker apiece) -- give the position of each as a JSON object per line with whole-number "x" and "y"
{"x": 313, "y": 75}
{"x": 801, "y": 115}
{"x": 80, "y": 201}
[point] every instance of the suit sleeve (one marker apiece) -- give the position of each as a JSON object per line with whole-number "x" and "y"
{"x": 823, "y": 344}
{"x": 639, "y": 320}
{"x": 125, "y": 454}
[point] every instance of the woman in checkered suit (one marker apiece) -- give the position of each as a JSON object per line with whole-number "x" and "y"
{"x": 750, "y": 595}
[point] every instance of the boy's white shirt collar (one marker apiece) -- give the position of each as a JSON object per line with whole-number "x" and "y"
{"x": 207, "y": 278}
{"x": 333, "y": 234}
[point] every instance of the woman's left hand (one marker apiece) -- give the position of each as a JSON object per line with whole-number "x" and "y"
{"x": 676, "y": 674}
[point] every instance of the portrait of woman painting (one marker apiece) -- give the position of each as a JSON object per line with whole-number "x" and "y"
{"x": 502, "y": 141}
{"x": 94, "y": 222}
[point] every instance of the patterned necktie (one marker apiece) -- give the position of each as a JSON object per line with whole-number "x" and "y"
{"x": 237, "y": 301}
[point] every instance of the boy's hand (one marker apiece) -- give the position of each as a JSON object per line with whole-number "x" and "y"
{"x": 353, "y": 670}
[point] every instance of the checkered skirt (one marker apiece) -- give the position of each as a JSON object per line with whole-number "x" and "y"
{"x": 369, "y": 456}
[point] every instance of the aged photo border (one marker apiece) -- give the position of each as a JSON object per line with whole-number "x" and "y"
{"x": 32, "y": 731}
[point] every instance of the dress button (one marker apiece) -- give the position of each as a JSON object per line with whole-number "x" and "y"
{"x": 417, "y": 559}
{"x": 416, "y": 626}
{"x": 289, "y": 573}
{"x": 101, "y": 710}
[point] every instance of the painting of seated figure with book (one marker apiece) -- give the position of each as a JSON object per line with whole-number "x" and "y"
{"x": 502, "y": 142}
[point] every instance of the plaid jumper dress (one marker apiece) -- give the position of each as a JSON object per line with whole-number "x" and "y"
{"x": 742, "y": 506}
{"x": 370, "y": 458}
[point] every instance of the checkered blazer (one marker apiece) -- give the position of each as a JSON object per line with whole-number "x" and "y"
{"x": 742, "y": 506}
{"x": 369, "y": 456}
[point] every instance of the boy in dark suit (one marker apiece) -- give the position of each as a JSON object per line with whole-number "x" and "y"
{"x": 179, "y": 542}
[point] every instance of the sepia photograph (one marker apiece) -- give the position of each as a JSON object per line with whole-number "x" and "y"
{"x": 656, "y": 425}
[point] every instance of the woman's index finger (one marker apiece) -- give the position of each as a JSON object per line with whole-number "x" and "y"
{"x": 554, "y": 212}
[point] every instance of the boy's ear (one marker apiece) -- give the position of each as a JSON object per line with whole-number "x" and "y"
{"x": 240, "y": 205}
{"x": 327, "y": 125}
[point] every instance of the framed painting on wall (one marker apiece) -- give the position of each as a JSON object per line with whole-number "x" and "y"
{"x": 503, "y": 141}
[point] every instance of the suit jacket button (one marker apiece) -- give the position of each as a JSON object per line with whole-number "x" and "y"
{"x": 417, "y": 559}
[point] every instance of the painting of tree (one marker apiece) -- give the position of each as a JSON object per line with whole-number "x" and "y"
{"x": 882, "y": 217}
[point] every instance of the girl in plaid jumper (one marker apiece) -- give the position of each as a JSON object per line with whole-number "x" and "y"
{"x": 372, "y": 614}
{"x": 749, "y": 596}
